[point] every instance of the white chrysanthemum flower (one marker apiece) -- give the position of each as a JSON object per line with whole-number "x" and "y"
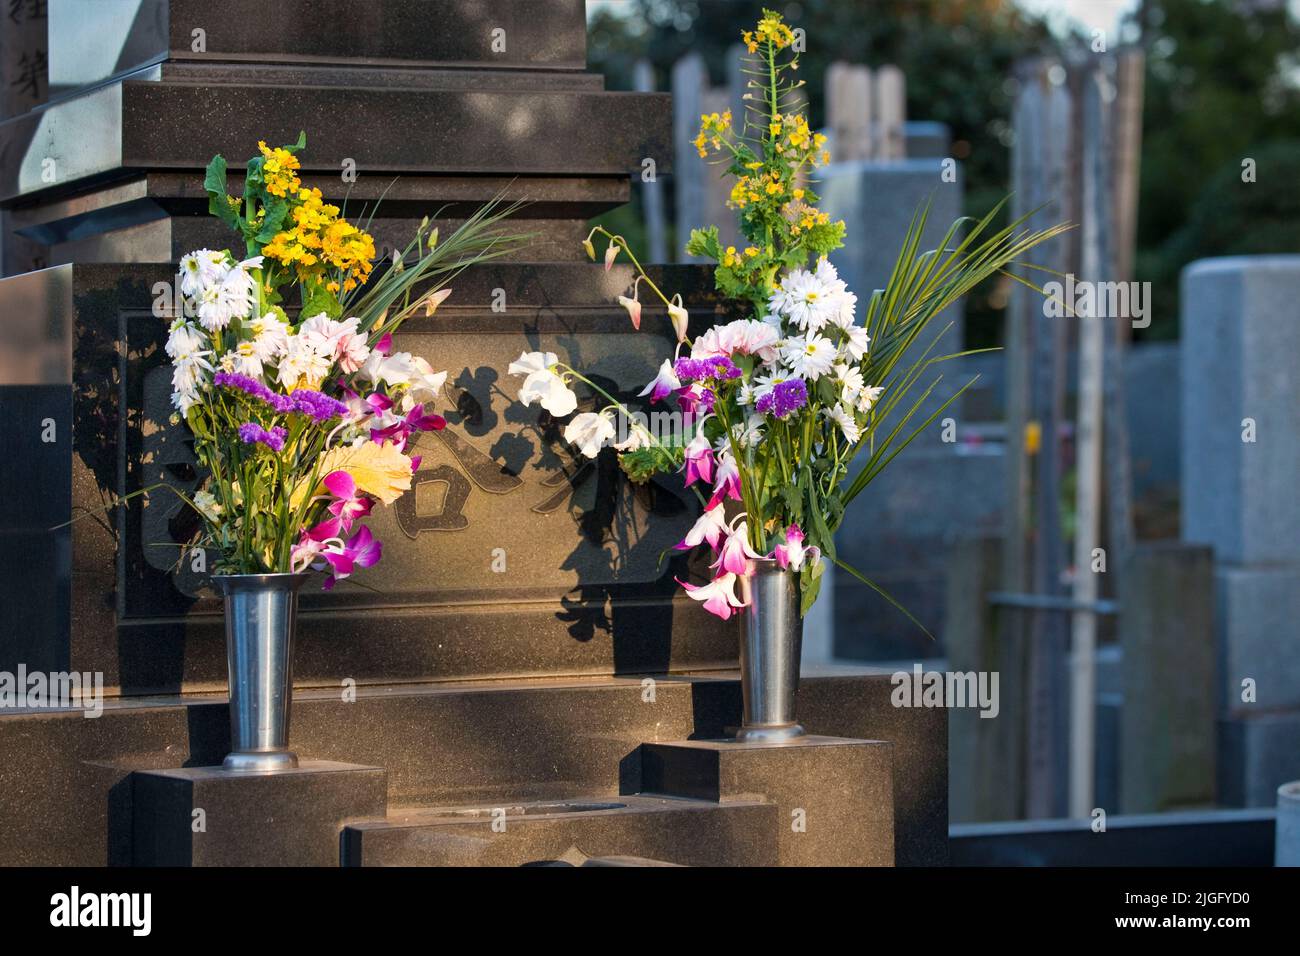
{"x": 301, "y": 362}
{"x": 855, "y": 342}
{"x": 867, "y": 398}
{"x": 236, "y": 296}
{"x": 270, "y": 337}
{"x": 809, "y": 356}
{"x": 590, "y": 431}
{"x": 850, "y": 379}
{"x": 183, "y": 339}
{"x": 185, "y": 399}
{"x": 748, "y": 433}
{"x": 201, "y": 270}
{"x": 808, "y": 301}
{"x": 847, "y": 422}
{"x": 245, "y": 360}
{"x": 745, "y": 394}
{"x": 190, "y": 369}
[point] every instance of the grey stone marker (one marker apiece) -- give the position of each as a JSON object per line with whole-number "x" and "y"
{"x": 1240, "y": 462}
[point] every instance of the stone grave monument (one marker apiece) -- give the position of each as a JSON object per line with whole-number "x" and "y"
{"x": 522, "y": 652}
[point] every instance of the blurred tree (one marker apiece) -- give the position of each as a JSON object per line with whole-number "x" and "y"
{"x": 1221, "y": 88}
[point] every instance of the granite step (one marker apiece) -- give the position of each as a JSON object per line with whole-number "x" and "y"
{"x": 665, "y": 830}
{"x": 471, "y": 743}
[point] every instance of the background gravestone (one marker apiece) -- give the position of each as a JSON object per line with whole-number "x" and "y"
{"x": 1241, "y": 453}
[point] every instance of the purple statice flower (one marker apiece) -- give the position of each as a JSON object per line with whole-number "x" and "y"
{"x": 318, "y": 405}
{"x": 717, "y": 367}
{"x": 254, "y": 388}
{"x": 253, "y": 433}
{"x": 785, "y": 398}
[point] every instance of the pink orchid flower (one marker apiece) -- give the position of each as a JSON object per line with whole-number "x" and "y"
{"x": 735, "y": 554}
{"x": 710, "y": 527}
{"x": 792, "y": 554}
{"x": 362, "y": 550}
{"x": 699, "y": 459}
{"x": 319, "y": 546}
{"x": 718, "y": 596}
{"x": 347, "y": 505}
{"x": 663, "y": 384}
{"x": 726, "y": 481}
{"x": 399, "y": 432}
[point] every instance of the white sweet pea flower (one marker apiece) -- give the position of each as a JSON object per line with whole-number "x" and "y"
{"x": 529, "y": 362}
{"x": 681, "y": 319}
{"x": 426, "y": 384}
{"x": 392, "y": 370}
{"x": 541, "y": 384}
{"x": 590, "y": 431}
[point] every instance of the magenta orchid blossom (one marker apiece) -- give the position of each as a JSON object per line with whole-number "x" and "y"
{"x": 399, "y": 432}
{"x": 347, "y": 505}
{"x": 699, "y": 462}
{"x": 718, "y": 596}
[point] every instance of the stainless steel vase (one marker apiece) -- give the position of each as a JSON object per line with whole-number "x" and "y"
{"x": 260, "y": 617}
{"x": 770, "y": 646}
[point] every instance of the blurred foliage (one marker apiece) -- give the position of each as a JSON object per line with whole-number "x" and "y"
{"x": 1221, "y": 87}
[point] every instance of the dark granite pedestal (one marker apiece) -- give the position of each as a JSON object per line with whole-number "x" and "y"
{"x": 207, "y": 816}
{"x": 833, "y": 796}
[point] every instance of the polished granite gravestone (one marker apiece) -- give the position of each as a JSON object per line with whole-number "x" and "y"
{"x": 523, "y": 637}
{"x": 509, "y": 557}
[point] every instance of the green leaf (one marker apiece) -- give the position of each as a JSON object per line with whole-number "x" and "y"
{"x": 810, "y": 585}
{"x": 316, "y": 299}
{"x": 276, "y": 212}
{"x": 214, "y": 183}
{"x": 704, "y": 242}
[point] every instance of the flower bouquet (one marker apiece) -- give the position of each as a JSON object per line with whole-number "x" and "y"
{"x": 300, "y": 422}
{"x": 777, "y": 405}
